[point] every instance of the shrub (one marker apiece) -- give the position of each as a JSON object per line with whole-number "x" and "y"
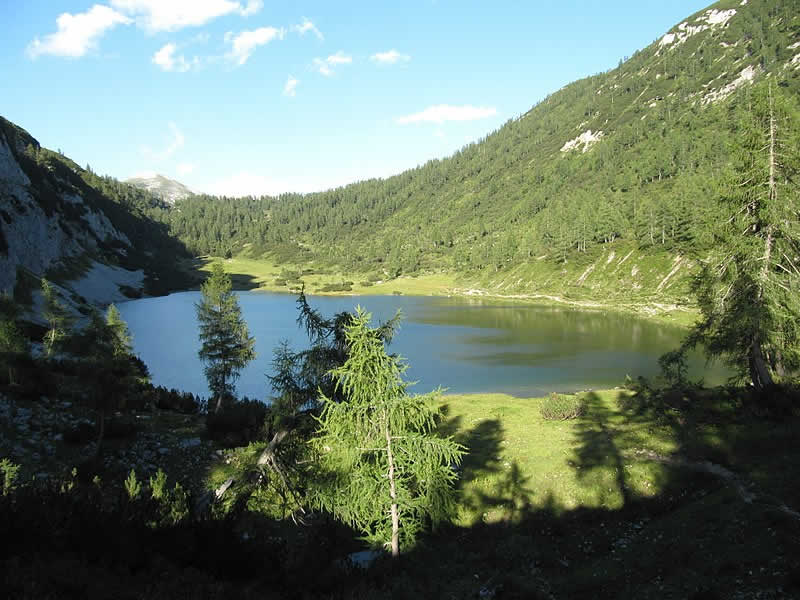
{"x": 344, "y": 286}
{"x": 9, "y": 472}
{"x": 557, "y": 407}
{"x": 132, "y": 486}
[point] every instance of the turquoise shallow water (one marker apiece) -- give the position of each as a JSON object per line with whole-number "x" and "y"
{"x": 459, "y": 344}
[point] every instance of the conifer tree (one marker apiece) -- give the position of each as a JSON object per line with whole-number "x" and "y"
{"x": 749, "y": 293}
{"x": 226, "y": 343}
{"x": 59, "y": 320}
{"x": 390, "y": 471}
{"x": 13, "y": 343}
{"x": 109, "y": 354}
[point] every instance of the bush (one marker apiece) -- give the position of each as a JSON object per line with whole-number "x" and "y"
{"x": 239, "y": 423}
{"x": 557, "y": 407}
{"x": 344, "y": 286}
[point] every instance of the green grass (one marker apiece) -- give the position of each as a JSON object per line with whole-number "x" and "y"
{"x": 265, "y": 275}
{"x": 577, "y": 509}
{"x": 534, "y": 282}
{"x": 518, "y": 459}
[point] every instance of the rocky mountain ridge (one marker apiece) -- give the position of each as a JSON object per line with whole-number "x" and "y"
{"x": 165, "y": 188}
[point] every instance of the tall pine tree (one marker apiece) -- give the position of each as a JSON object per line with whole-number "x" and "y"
{"x": 749, "y": 293}
{"x": 226, "y": 343}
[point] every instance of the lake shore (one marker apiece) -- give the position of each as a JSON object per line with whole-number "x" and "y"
{"x": 262, "y": 275}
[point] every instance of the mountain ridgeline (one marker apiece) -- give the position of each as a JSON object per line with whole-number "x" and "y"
{"x": 607, "y": 188}
{"x": 617, "y": 172}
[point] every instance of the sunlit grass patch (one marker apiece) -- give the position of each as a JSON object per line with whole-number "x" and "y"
{"x": 519, "y": 460}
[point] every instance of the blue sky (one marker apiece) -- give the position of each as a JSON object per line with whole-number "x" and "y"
{"x": 251, "y": 96}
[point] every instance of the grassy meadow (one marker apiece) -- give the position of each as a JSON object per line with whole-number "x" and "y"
{"x": 673, "y": 498}
{"x": 533, "y": 282}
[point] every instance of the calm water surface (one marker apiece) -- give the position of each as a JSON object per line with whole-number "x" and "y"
{"x": 460, "y": 344}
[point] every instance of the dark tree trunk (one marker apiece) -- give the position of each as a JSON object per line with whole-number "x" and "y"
{"x": 759, "y": 371}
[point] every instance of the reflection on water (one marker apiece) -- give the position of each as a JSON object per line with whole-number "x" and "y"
{"x": 459, "y": 344}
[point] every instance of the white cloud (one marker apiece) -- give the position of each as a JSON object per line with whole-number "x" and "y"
{"x": 78, "y": 33}
{"x": 390, "y": 57}
{"x": 445, "y": 112}
{"x": 307, "y": 26}
{"x": 185, "y": 169}
{"x": 171, "y": 15}
{"x": 245, "y": 43}
{"x": 166, "y": 59}
{"x": 290, "y": 89}
{"x": 174, "y": 144}
{"x": 325, "y": 66}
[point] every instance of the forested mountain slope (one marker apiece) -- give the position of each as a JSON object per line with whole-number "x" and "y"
{"x": 607, "y": 186}
{"x": 93, "y": 236}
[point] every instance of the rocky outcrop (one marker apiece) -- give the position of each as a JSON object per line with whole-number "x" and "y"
{"x": 165, "y": 188}
{"x": 46, "y": 224}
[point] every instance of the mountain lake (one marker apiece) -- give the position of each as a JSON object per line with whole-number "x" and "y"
{"x": 463, "y": 345}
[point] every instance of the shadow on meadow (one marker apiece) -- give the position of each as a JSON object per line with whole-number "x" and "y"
{"x": 196, "y": 272}
{"x": 662, "y": 520}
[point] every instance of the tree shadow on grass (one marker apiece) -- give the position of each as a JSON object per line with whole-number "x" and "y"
{"x": 498, "y": 488}
{"x": 195, "y": 275}
{"x": 690, "y": 535}
{"x": 599, "y": 451}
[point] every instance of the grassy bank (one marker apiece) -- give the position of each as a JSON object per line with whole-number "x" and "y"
{"x": 265, "y": 274}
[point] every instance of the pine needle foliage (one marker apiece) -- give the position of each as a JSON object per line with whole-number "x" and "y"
{"x": 226, "y": 343}
{"x": 13, "y": 343}
{"x": 59, "y": 320}
{"x": 389, "y": 472}
{"x": 108, "y": 364}
{"x": 749, "y": 291}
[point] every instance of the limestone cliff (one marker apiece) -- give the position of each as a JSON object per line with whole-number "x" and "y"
{"x": 58, "y": 221}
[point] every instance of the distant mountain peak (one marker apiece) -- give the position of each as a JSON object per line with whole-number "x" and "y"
{"x": 168, "y": 189}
